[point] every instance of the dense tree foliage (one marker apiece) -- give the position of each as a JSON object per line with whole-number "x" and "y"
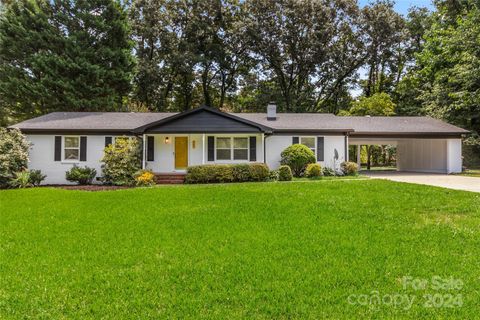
{"x": 379, "y": 104}
{"x": 448, "y": 76}
{"x": 63, "y": 55}
{"x": 309, "y": 56}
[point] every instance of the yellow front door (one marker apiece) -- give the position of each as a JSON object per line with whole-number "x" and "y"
{"x": 181, "y": 152}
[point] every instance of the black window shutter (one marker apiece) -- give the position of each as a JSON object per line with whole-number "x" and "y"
{"x": 150, "y": 148}
{"x": 295, "y": 140}
{"x": 108, "y": 141}
{"x": 211, "y": 148}
{"x": 320, "y": 147}
{"x": 58, "y": 148}
{"x": 83, "y": 148}
{"x": 253, "y": 148}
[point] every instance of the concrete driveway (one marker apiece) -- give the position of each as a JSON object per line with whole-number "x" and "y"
{"x": 431, "y": 179}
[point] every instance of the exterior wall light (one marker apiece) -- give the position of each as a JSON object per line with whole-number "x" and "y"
{"x": 167, "y": 140}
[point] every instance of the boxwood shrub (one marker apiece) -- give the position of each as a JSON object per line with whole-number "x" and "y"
{"x": 297, "y": 157}
{"x": 224, "y": 173}
{"x": 349, "y": 168}
{"x": 314, "y": 170}
{"x": 285, "y": 173}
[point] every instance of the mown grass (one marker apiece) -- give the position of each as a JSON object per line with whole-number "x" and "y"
{"x": 260, "y": 250}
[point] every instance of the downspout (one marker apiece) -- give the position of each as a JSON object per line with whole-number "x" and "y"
{"x": 263, "y": 146}
{"x": 346, "y": 147}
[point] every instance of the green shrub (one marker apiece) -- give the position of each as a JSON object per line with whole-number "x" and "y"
{"x": 259, "y": 172}
{"x": 144, "y": 178}
{"x": 349, "y": 168}
{"x": 13, "y": 155}
{"x": 81, "y": 175}
{"x": 328, "y": 172}
{"x": 297, "y": 157}
{"x": 314, "y": 170}
{"x": 241, "y": 172}
{"x": 273, "y": 175}
{"x": 36, "y": 177}
{"x": 21, "y": 179}
{"x": 121, "y": 161}
{"x": 224, "y": 173}
{"x": 285, "y": 173}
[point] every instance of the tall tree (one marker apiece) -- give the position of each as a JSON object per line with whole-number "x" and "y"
{"x": 385, "y": 31}
{"x": 407, "y": 91}
{"x": 449, "y": 76}
{"x": 73, "y": 56}
{"x": 309, "y": 48}
{"x": 188, "y": 51}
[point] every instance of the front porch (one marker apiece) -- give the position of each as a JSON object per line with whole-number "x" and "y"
{"x": 171, "y": 154}
{"x": 200, "y": 136}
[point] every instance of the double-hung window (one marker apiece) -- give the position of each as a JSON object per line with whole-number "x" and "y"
{"x": 71, "y": 148}
{"x": 240, "y": 148}
{"x": 309, "y": 142}
{"x": 232, "y": 148}
{"x": 224, "y": 148}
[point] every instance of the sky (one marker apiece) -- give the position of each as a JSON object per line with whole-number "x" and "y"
{"x": 401, "y": 6}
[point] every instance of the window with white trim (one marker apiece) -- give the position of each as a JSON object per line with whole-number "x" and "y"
{"x": 240, "y": 148}
{"x": 71, "y": 148}
{"x": 309, "y": 142}
{"x": 224, "y": 148}
{"x": 231, "y": 148}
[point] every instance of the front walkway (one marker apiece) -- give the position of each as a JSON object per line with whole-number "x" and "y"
{"x": 432, "y": 179}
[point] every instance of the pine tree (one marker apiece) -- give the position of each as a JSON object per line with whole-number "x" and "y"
{"x": 64, "y": 56}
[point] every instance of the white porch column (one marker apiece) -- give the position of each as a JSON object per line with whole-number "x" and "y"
{"x": 144, "y": 158}
{"x": 203, "y": 148}
{"x": 263, "y": 148}
{"x": 359, "y": 160}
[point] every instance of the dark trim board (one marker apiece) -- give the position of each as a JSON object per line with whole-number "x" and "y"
{"x": 308, "y": 132}
{"x": 200, "y": 132}
{"x": 353, "y": 135}
{"x": 78, "y": 132}
{"x": 412, "y": 135}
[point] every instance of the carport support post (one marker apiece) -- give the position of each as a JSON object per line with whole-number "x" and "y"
{"x": 144, "y": 151}
{"x": 359, "y": 160}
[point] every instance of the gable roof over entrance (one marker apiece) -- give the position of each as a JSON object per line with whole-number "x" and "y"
{"x": 202, "y": 120}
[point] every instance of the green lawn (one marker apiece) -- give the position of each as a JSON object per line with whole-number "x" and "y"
{"x": 265, "y": 250}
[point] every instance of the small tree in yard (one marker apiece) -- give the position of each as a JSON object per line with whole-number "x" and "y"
{"x": 122, "y": 160}
{"x": 13, "y": 154}
{"x": 297, "y": 157}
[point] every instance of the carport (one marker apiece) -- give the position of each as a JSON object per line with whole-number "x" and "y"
{"x": 423, "y": 144}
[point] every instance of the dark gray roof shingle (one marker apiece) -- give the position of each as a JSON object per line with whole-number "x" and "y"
{"x": 128, "y": 121}
{"x": 95, "y": 121}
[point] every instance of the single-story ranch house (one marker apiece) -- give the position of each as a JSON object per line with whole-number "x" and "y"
{"x": 174, "y": 141}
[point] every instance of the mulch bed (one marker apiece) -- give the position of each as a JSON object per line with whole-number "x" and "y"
{"x": 92, "y": 187}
